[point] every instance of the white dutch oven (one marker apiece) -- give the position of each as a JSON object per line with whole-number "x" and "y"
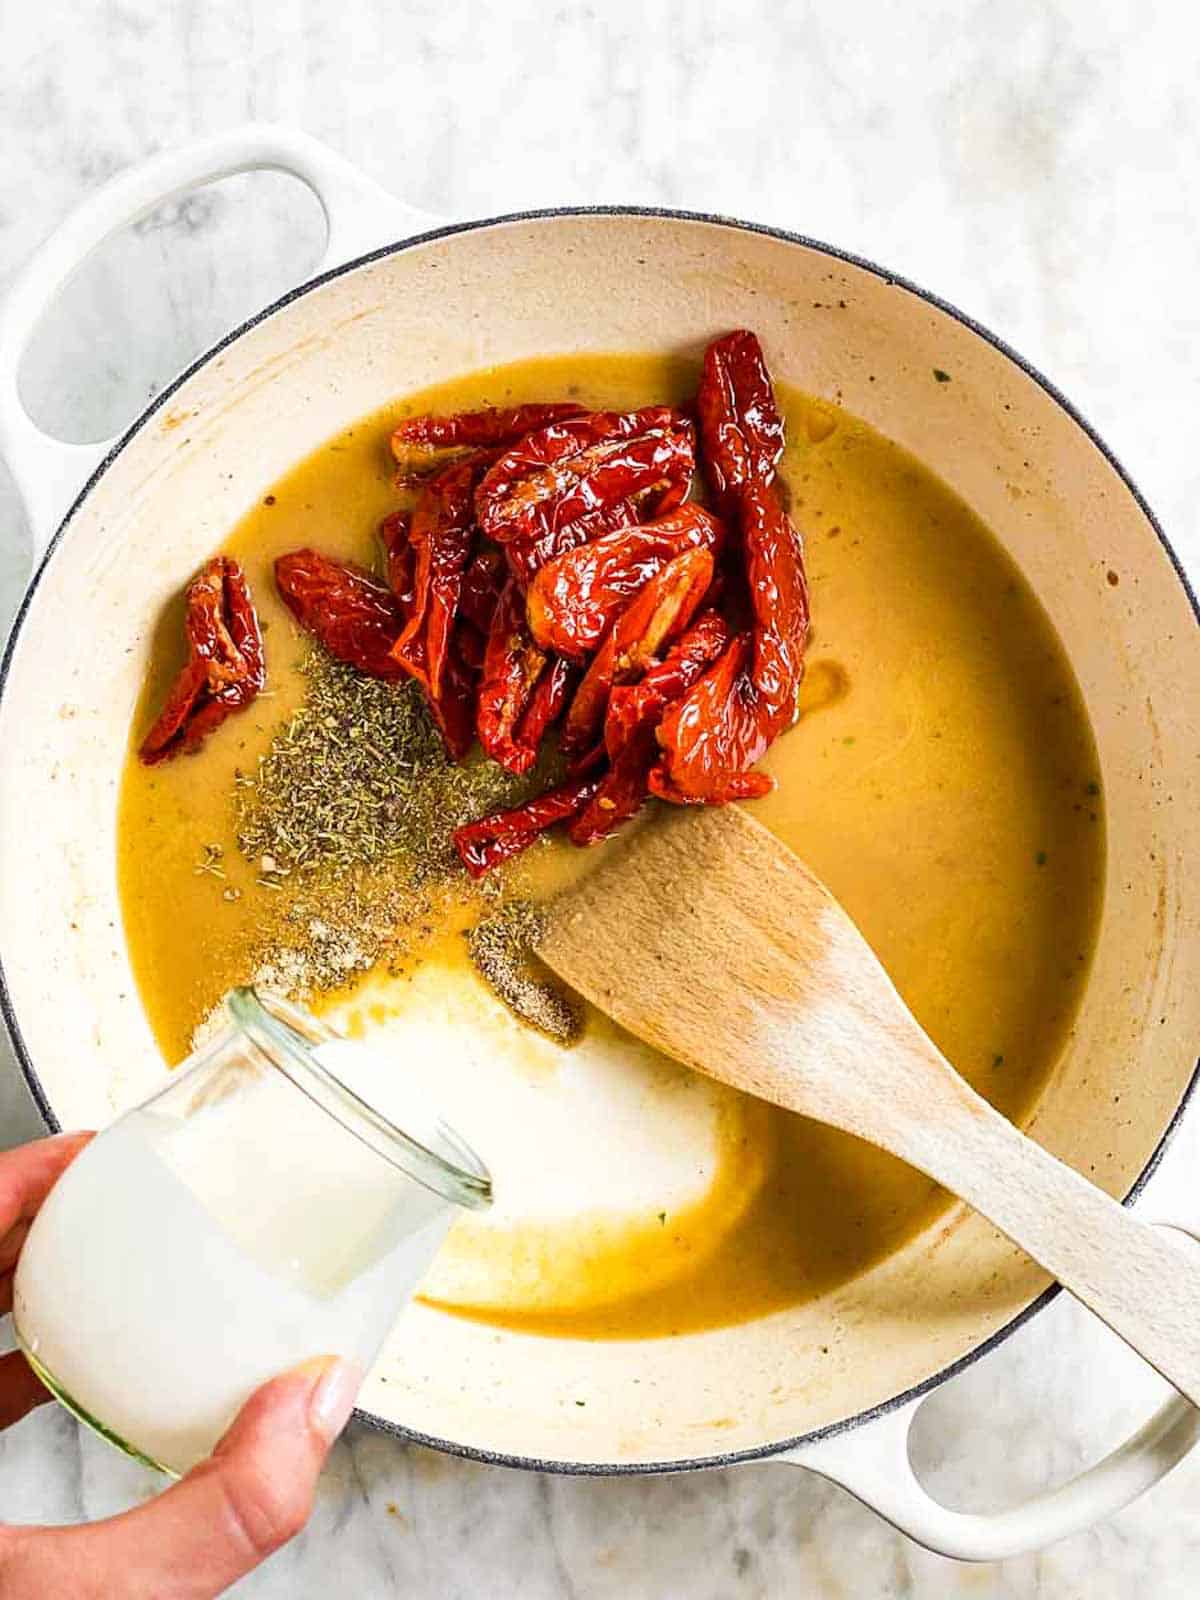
{"x": 440, "y": 302}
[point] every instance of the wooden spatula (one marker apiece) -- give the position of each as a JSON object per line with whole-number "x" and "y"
{"x": 703, "y": 934}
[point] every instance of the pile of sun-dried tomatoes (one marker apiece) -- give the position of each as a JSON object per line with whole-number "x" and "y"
{"x": 554, "y": 572}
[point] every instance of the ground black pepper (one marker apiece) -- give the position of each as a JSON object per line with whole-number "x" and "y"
{"x": 502, "y": 947}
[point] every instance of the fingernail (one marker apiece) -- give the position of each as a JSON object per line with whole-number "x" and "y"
{"x": 333, "y": 1395}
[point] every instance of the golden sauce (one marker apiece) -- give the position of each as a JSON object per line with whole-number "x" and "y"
{"x": 942, "y": 781}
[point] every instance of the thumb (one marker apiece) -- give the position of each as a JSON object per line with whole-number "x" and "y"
{"x": 252, "y": 1495}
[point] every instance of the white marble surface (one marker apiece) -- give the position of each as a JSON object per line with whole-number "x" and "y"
{"x": 1033, "y": 163}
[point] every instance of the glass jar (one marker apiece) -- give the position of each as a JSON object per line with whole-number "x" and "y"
{"x": 253, "y": 1213}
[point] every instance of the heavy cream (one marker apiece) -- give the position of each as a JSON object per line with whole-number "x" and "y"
{"x": 207, "y": 1242}
{"x": 591, "y": 1149}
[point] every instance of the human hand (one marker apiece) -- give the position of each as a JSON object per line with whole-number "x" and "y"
{"x": 232, "y": 1511}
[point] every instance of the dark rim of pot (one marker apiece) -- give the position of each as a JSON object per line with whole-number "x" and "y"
{"x": 758, "y": 1452}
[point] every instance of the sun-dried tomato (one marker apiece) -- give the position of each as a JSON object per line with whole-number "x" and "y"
{"x": 546, "y": 704}
{"x": 454, "y": 709}
{"x": 634, "y": 704}
{"x": 526, "y": 557}
{"x": 778, "y": 588}
{"x": 661, "y": 610}
{"x": 723, "y": 726}
{"x": 560, "y": 473}
{"x": 741, "y": 430}
{"x": 726, "y": 724}
{"x": 713, "y": 736}
{"x": 351, "y": 613}
{"x": 482, "y": 582}
{"x": 469, "y": 644}
{"x": 634, "y": 712}
{"x": 399, "y": 559}
{"x": 512, "y": 668}
{"x": 494, "y": 427}
{"x": 732, "y": 786}
{"x": 484, "y": 844}
{"x": 222, "y": 629}
{"x": 440, "y": 534}
{"x": 574, "y": 599}
{"x": 225, "y": 668}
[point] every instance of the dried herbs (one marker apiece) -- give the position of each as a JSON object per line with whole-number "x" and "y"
{"x": 351, "y": 811}
{"x": 358, "y": 777}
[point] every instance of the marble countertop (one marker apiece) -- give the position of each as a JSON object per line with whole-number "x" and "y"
{"x": 1030, "y": 163}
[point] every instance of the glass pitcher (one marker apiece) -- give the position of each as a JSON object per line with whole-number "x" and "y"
{"x": 253, "y": 1213}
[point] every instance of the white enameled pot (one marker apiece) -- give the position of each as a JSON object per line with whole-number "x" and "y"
{"x": 400, "y": 303}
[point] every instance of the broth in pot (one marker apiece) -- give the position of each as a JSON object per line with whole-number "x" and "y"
{"x": 941, "y": 779}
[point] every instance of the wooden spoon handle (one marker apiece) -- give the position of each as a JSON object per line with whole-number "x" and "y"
{"x": 1141, "y": 1279}
{"x": 705, "y": 936}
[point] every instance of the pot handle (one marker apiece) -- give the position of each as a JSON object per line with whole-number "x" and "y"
{"x": 873, "y": 1463}
{"x": 359, "y": 215}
